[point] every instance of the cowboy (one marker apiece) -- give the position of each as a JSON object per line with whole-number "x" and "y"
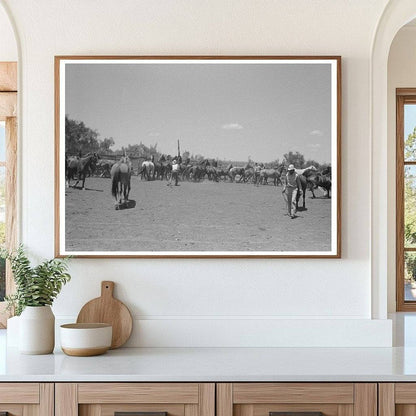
{"x": 257, "y": 169}
{"x": 175, "y": 172}
{"x": 291, "y": 188}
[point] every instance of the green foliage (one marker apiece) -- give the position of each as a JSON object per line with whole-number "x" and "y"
{"x": 410, "y": 206}
{"x": 35, "y": 286}
{"x": 410, "y": 146}
{"x": 2, "y": 233}
{"x": 410, "y": 192}
{"x": 2, "y": 278}
{"x": 410, "y": 210}
{"x": 410, "y": 266}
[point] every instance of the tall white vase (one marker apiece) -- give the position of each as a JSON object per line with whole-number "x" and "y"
{"x": 37, "y": 330}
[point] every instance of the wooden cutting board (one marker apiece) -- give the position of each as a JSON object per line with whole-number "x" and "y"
{"x": 107, "y": 309}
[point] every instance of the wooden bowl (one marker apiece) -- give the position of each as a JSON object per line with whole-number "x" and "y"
{"x": 85, "y": 340}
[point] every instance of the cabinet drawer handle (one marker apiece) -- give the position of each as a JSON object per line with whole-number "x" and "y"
{"x": 296, "y": 414}
{"x": 138, "y": 414}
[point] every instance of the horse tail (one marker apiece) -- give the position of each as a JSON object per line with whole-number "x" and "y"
{"x": 114, "y": 185}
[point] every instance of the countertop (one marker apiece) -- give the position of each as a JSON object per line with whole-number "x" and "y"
{"x": 213, "y": 365}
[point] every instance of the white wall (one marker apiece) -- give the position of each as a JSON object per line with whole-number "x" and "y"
{"x": 8, "y": 47}
{"x": 179, "y": 302}
{"x": 401, "y": 74}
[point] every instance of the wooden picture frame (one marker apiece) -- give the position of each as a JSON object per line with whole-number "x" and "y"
{"x": 240, "y": 122}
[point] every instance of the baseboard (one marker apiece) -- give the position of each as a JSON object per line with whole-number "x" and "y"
{"x": 248, "y": 332}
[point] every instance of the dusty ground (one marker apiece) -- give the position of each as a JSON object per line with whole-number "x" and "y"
{"x": 204, "y": 216}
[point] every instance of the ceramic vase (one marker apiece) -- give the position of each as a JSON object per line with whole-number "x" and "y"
{"x": 37, "y": 330}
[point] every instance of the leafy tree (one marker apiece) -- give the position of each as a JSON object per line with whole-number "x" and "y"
{"x": 410, "y": 208}
{"x": 2, "y": 234}
{"x": 410, "y": 146}
{"x": 79, "y": 138}
{"x": 311, "y": 162}
{"x": 410, "y": 191}
{"x": 296, "y": 159}
{"x": 274, "y": 163}
{"x": 106, "y": 144}
{"x": 410, "y": 266}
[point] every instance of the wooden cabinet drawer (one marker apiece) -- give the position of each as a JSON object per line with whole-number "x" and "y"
{"x": 397, "y": 399}
{"x": 331, "y": 399}
{"x": 105, "y": 399}
{"x": 27, "y": 399}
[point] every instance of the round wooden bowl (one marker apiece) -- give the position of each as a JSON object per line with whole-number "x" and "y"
{"x": 86, "y": 339}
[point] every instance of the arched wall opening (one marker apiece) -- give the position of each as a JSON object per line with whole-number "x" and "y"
{"x": 401, "y": 74}
{"x": 8, "y": 44}
{"x": 9, "y": 212}
{"x": 396, "y": 15}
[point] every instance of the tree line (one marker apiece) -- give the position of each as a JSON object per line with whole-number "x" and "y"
{"x": 80, "y": 139}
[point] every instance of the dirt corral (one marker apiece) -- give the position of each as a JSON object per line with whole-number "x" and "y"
{"x": 205, "y": 216}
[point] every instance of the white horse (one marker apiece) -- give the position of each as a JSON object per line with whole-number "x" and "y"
{"x": 148, "y": 169}
{"x": 310, "y": 169}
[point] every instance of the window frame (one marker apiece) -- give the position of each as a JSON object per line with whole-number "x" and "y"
{"x": 403, "y": 96}
{"x": 8, "y": 113}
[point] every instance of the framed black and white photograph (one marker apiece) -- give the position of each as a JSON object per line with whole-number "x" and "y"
{"x": 194, "y": 156}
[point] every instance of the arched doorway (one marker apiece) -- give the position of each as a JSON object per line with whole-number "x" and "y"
{"x": 8, "y": 149}
{"x": 396, "y": 14}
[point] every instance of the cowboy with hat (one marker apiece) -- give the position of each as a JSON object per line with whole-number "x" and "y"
{"x": 291, "y": 189}
{"x": 175, "y": 172}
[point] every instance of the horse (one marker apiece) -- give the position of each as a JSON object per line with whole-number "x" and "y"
{"x": 104, "y": 168}
{"x": 147, "y": 170}
{"x": 197, "y": 172}
{"x": 120, "y": 180}
{"x": 222, "y": 173}
{"x": 81, "y": 167}
{"x": 306, "y": 171}
{"x": 249, "y": 174}
{"x": 212, "y": 173}
{"x": 303, "y": 185}
{"x": 233, "y": 172}
{"x": 322, "y": 181}
{"x": 274, "y": 174}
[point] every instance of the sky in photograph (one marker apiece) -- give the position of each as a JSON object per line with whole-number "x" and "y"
{"x": 409, "y": 119}
{"x": 226, "y": 111}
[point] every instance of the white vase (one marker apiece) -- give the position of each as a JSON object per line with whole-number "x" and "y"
{"x": 37, "y": 330}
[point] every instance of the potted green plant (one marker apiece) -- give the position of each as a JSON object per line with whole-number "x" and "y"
{"x": 36, "y": 289}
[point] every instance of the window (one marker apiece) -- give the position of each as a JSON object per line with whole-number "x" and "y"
{"x": 2, "y": 206}
{"x": 8, "y": 170}
{"x": 406, "y": 199}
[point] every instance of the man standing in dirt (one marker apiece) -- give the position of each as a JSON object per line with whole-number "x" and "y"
{"x": 175, "y": 172}
{"x": 291, "y": 188}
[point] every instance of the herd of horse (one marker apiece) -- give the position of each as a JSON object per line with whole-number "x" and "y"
{"x": 120, "y": 172}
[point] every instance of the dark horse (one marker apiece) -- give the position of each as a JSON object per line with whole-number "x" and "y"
{"x": 81, "y": 167}
{"x": 120, "y": 180}
{"x": 304, "y": 185}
